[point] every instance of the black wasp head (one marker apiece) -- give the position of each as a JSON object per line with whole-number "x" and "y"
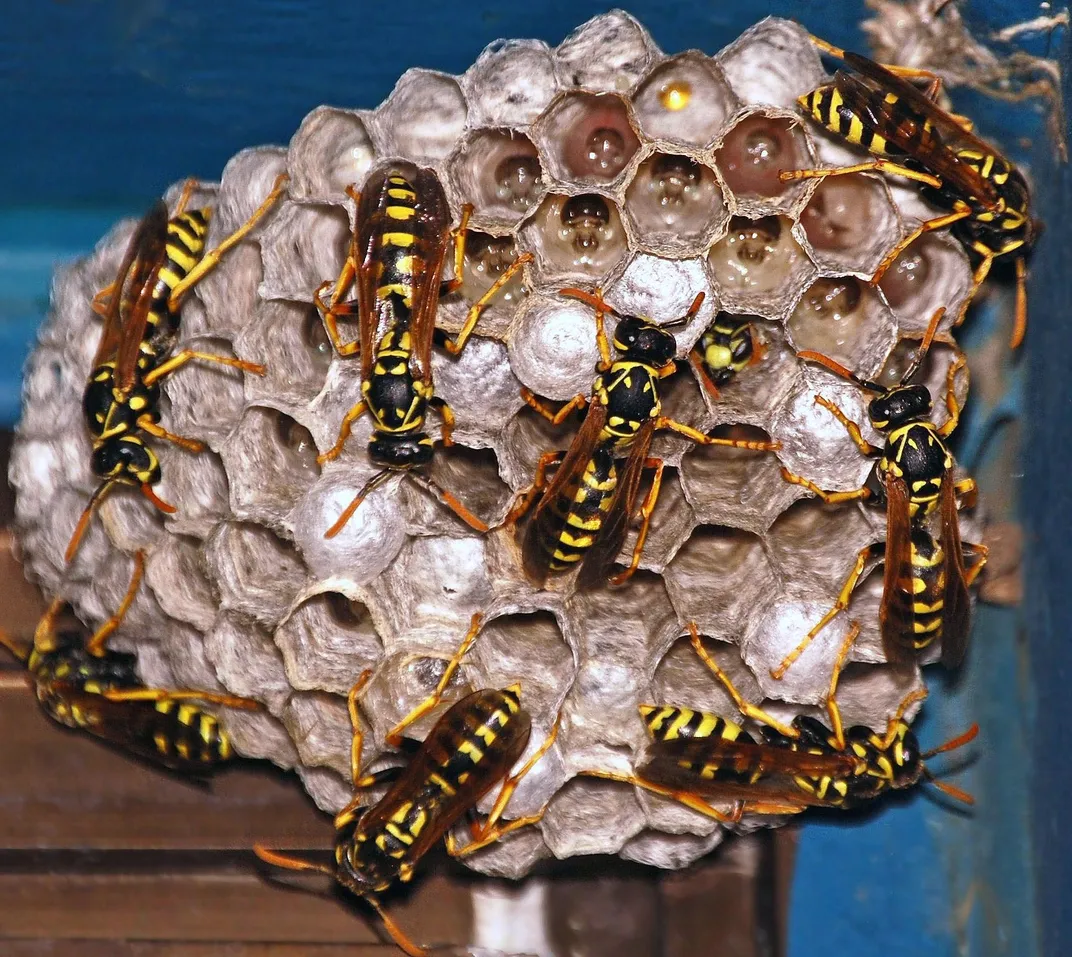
{"x": 643, "y": 341}
{"x": 400, "y": 452}
{"x": 125, "y": 459}
{"x": 899, "y": 406}
{"x": 907, "y": 759}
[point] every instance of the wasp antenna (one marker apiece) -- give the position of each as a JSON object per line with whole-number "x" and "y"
{"x": 398, "y": 935}
{"x": 83, "y": 519}
{"x": 953, "y": 743}
{"x": 958, "y": 794}
{"x": 924, "y": 346}
{"x": 166, "y": 507}
{"x": 278, "y": 859}
{"x": 347, "y": 513}
{"x": 595, "y": 300}
{"x": 450, "y": 501}
{"x": 838, "y": 369}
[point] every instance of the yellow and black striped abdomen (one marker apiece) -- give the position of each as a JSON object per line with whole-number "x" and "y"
{"x": 185, "y": 247}
{"x": 828, "y": 108}
{"x": 579, "y": 519}
{"x": 671, "y": 723}
{"x": 185, "y": 735}
{"x": 399, "y": 246}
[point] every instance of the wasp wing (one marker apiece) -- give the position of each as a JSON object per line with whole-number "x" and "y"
{"x": 597, "y": 564}
{"x": 895, "y": 616}
{"x": 915, "y": 124}
{"x": 956, "y": 610}
{"x": 549, "y": 518}
{"x": 128, "y": 307}
{"x": 370, "y": 224}
{"x": 433, "y": 227}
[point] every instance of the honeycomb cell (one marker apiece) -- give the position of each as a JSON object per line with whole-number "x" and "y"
{"x": 499, "y": 172}
{"x": 587, "y": 138}
{"x": 685, "y": 100}
{"x": 511, "y": 83}
{"x": 470, "y": 475}
{"x": 932, "y": 373}
{"x": 257, "y": 573}
{"x": 331, "y": 150}
{"x": 848, "y": 222}
{"x": 302, "y": 246}
{"x": 674, "y": 205}
{"x": 773, "y": 62}
{"x": 757, "y": 264}
{"x": 205, "y": 397}
{"x": 480, "y": 387}
{"x": 720, "y": 578}
{"x": 755, "y": 151}
{"x": 319, "y": 726}
{"x": 659, "y": 849}
{"x": 283, "y": 464}
{"x": 609, "y": 52}
{"x": 841, "y": 317}
{"x": 663, "y": 290}
{"x": 205, "y": 498}
{"x": 526, "y": 436}
{"x": 247, "y": 661}
{"x": 175, "y": 572}
{"x": 932, "y": 272}
{"x": 671, "y": 523}
{"x": 587, "y": 816}
{"x": 423, "y": 118}
{"x": 327, "y": 641}
{"x": 288, "y": 339}
{"x": 683, "y": 680}
{"x": 574, "y": 238}
{"x": 737, "y": 487}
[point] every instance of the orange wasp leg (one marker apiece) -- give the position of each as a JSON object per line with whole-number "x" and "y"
{"x": 348, "y": 421}
{"x": 527, "y": 496}
{"x": 646, "y": 511}
{"x": 95, "y": 645}
{"x": 180, "y": 359}
{"x": 928, "y": 226}
{"x": 156, "y": 430}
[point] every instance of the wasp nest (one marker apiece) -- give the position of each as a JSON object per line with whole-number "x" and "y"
{"x": 654, "y": 177}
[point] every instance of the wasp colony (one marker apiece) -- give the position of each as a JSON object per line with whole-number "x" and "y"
{"x": 580, "y": 355}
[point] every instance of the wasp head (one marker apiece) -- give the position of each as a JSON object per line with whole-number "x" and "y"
{"x": 899, "y": 406}
{"x": 400, "y": 451}
{"x": 906, "y": 758}
{"x": 643, "y": 341}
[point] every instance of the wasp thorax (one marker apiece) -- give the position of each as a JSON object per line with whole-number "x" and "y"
{"x": 643, "y": 341}
{"x": 906, "y": 404}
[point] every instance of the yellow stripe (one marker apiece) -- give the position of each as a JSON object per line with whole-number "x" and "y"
{"x": 405, "y": 240}
{"x": 400, "y": 212}
{"x": 180, "y": 256}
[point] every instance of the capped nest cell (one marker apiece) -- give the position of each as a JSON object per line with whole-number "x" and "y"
{"x": 653, "y": 177}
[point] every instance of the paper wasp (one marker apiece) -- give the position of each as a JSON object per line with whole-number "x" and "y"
{"x": 986, "y": 197}
{"x": 726, "y": 347}
{"x": 469, "y": 750}
{"x": 397, "y": 252}
{"x": 925, "y": 586}
{"x": 584, "y": 512}
{"x": 80, "y": 684}
{"x": 165, "y": 258}
{"x": 695, "y": 757}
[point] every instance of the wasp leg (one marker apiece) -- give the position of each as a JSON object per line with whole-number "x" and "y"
{"x": 851, "y": 427}
{"x": 662, "y": 422}
{"x": 894, "y": 68}
{"x": 974, "y": 559}
{"x": 330, "y": 312}
{"x": 554, "y": 417}
{"x": 919, "y": 694}
{"x": 692, "y": 801}
{"x": 646, "y": 510}
{"x": 158, "y": 431}
{"x": 87, "y": 513}
{"x": 103, "y": 299}
{"x": 44, "y": 639}
{"x": 746, "y": 708}
{"x": 877, "y": 165}
{"x": 832, "y": 708}
{"x": 180, "y": 359}
{"x": 458, "y": 239}
{"x": 840, "y": 605}
{"x": 526, "y": 497}
{"x": 184, "y": 197}
{"x": 928, "y": 226}
{"x": 492, "y": 830}
{"x": 450, "y": 500}
{"x": 182, "y": 694}
{"x": 447, "y": 414}
{"x": 967, "y": 491}
{"x": 357, "y": 738}
{"x": 95, "y": 645}
{"x": 831, "y": 498}
{"x": 344, "y": 433}
{"x": 475, "y": 624}
{"x": 212, "y": 258}
{"x": 454, "y": 346}
{"x": 951, "y": 403}
{"x": 1019, "y": 328}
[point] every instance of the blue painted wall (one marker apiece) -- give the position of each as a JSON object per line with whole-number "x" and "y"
{"x": 106, "y": 103}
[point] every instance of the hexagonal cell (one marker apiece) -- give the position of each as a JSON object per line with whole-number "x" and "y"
{"x": 684, "y": 100}
{"x": 755, "y": 151}
{"x": 175, "y": 572}
{"x": 683, "y": 680}
{"x": 471, "y": 476}
{"x": 842, "y": 317}
{"x": 524, "y": 439}
{"x": 510, "y": 83}
{"x": 258, "y": 574}
{"x": 813, "y": 544}
{"x": 423, "y": 118}
{"x": 719, "y": 578}
{"x": 327, "y": 641}
{"x": 609, "y": 52}
{"x": 302, "y": 246}
{"x": 671, "y": 523}
{"x": 932, "y": 272}
{"x": 287, "y": 338}
{"x": 662, "y": 290}
{"x": 205, "y": 492}
{"x": 758, "y": 265}
{"x": 486, "y": 259}
{"x": 773, "y": 62}
{"x": 587, "y": 137}
{"x": 574, "y": 237}
{"x": 675, "y": 204}
{"x": 589, "y": 816}
{"x": 247, "y": 661}
{"x": 331, "y": 150}
{"x": 273, "y": 460}
{"x": 737, "y": 487}
{"x": 499, "y": 172}
{"x": 205, "y": 397}
{"x": 849, "y": 222}
{"x": 480, "y": 387}
{"x": 319, "y": 725}
{"x": 672, "y": 851}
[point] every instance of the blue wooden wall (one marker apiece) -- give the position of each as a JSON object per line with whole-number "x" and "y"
{"x": 105, "y": 103}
